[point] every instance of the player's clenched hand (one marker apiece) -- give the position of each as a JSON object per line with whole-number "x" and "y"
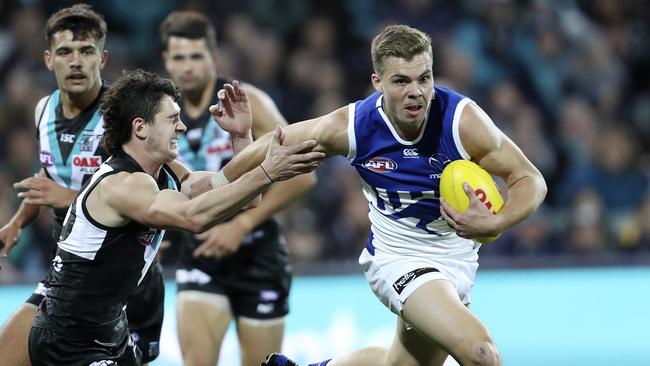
{"x": 285, "y": 162}
{"x": 233, "y": 112}
{"x": 41, "y": 190}
{"x": 9, "y": 235}
{"x": 476, "y": 221}
{"x": 222, "y": 240}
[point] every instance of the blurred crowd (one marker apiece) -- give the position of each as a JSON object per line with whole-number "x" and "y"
{"x": 567, "y": 80}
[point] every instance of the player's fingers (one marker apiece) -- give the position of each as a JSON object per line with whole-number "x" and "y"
{"x": 202, "y": 236}
{"x": 240, "y": 91}
{"x": 304, "y": 146}
{"x": 230, "y": 91}
{"x": 201, "y": 251}
{"x": 24, "y": 184}
{"x": 310, "y": 157}
{"x": 469, "y": 192}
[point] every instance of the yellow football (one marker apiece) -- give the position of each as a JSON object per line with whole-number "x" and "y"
{"x": 451, "y": 188}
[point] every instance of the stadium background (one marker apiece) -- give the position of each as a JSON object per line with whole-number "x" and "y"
{"x": 566, "y": 79}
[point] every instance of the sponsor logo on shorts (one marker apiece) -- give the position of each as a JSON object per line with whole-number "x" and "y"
{"x": 403, "y": 281}
{"x": 269, "y": 295}
{"x": 57, "y": 263}
{"x": 103, "y": 363}
{"x": 265, "y": 308}
{"x": 154, "y": 349}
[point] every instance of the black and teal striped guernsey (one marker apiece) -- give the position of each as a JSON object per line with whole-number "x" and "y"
{"x": 70, "y": 150}
{"x": 97, "y": 267}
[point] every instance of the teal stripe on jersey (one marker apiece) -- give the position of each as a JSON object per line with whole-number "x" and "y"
{"x": 196, "y": 160}
{"x": 63, "y": 170}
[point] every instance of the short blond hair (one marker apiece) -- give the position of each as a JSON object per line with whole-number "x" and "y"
{"x": 399, "y": 41}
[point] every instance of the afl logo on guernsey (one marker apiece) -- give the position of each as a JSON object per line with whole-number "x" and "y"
{"x": 47, "y": 159}
{"x": 147, "y": 238}
{"x": 380, "y": 164}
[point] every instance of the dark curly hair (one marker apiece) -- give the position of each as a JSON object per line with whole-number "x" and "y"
{"x": 188, "y": 24}
{"x": 81, "y": 20}
{"x": 136, "y": 94}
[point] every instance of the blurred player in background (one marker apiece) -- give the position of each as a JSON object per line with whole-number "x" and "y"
{"x": 419, "y": 260}
{"x": 69, "y": 128}
{"x": 239, "y": 269}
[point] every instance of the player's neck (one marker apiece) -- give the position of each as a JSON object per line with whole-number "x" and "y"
{"x": 407, "y": 131}
{"x": 196, "y": 102}
{"x": 73, "y": 104}
{"x": 139, "y": 153}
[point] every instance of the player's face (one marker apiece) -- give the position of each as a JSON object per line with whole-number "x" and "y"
{"x": 190, "y": 63}
{"x": 407, "y": 87}
{"x": 76, "y": 64}
{"x": 164, "y": 132}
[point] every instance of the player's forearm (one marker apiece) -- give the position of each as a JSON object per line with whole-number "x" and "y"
{"x": 279, "y": 196}
{"x": 249, "y": 158}
{"x": 223, "y": 202}
{"x": 239, "y": 143}
{"x": 524, "y": 196}
{"x": 66, "y": 198}
{"x": 25, "y": 214}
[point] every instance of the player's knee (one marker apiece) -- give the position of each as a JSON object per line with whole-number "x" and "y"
{"x": 483, "y": 353}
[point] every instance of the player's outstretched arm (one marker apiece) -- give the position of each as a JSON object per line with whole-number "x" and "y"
{"x": 122, "y": 197}
{"x": 328, "y": 135}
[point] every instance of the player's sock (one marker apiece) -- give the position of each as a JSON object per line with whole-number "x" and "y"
{"x": 278, "y": 359}
{"x": 324, "y": 363}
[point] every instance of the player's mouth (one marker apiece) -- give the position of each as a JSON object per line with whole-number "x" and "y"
{"x": 174, "y": 142}
{"x": 413, "y": 110}
{"x": 76, "y": 78}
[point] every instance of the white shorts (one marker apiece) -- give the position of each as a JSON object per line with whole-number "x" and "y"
{"x": 394, "y": 277}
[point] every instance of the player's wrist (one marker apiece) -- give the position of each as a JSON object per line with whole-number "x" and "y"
{"x": 247, "y": 223}
{"x": 219, "y": 179}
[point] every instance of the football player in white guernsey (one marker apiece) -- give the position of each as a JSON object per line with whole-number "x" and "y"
{"x": 115, "y": 225}
{"x": 244, "y": 258}
{"x": 420, "y": 260}
{"x": 76, "y": 56}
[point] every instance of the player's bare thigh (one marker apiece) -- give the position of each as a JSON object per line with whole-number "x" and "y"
{"x": 440, "y": 318}
{"x": 202, "y": 320}
{"x": 14, "y": 336}
{"x": 259, "y": 337}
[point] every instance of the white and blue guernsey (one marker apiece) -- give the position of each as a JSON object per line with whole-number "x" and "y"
{"x": 401, "y": 178}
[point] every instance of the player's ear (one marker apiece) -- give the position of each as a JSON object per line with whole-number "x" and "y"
{"x": 376, "y": 82}
{"x": 139, "y": 128}
{"x": 47, "y": 57}
{"x": 104, "y": 58}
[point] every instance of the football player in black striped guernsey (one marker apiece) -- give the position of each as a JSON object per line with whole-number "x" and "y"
{"x": 114, "y": 226}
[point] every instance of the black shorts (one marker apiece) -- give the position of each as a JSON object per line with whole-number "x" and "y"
{"x": 256, "y": 279}
{"x": 145, "y": 311}
{"x": 106, "y": 344}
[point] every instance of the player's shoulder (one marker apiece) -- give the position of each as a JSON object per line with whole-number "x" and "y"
{"x": 40, "y": 107}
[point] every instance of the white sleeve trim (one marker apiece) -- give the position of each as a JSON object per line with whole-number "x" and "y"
{"x": 38, "y": 111}
{"x": 352, "y": 138}
{"x": 456, "y": 128}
